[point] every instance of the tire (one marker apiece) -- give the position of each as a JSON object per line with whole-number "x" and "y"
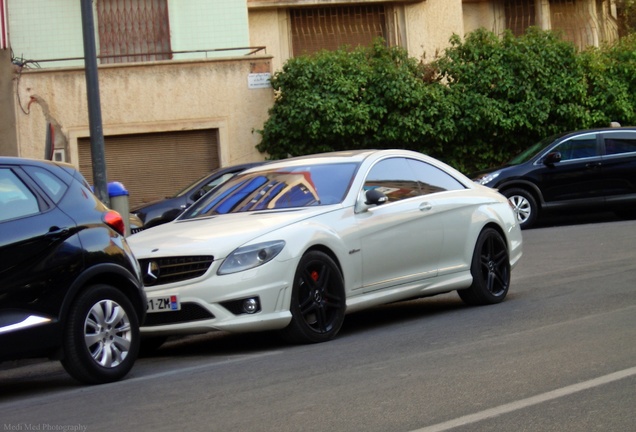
{"x": 490, "y": 269}
{"x": 524, "y": 206}
{"x": 317, "y": 301}
{"x": 101, "y": 338}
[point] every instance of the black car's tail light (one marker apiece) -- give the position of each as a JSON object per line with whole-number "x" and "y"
{"x": 115, "y": 221}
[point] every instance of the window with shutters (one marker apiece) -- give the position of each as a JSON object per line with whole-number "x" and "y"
{"x": 133, "y": 30}
{"x": 330, "y": 28}
{"x": 519, "y": 15}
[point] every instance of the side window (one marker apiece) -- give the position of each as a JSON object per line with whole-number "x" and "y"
{"x": 54, "y": 187}
{"x": 578, "y": 148}
{"x": 620, "y": 143}
{"x": 394, "y": 178}
{"x": 432, "y": 179}
{"x": 16, "y": 200}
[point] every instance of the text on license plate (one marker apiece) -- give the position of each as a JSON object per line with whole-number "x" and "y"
{"x": 164, "y": 304}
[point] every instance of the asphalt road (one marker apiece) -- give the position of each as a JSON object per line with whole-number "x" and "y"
{"x": 558, "y": 355}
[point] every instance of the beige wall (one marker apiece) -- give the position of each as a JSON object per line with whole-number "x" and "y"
{"x": 429, "y": 26}
{"x": 269, "y": 28}
{"x": 149, "y": 97}
{"x": 8, "y": 138}
{"x": 479, "y": 14}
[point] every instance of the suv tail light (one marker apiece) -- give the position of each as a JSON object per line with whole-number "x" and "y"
{"x": 115, "y": 221}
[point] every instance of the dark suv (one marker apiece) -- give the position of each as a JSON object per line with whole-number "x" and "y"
{"x": 593, "y": 168}
{"x": 69, "y": 285}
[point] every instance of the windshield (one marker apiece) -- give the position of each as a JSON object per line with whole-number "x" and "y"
{"x": 534, "y": 150}
{"x": 287, "y": 187}
{"x": 211, "y": 184}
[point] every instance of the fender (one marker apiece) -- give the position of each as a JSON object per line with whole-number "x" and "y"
{"x": 525, "y": 184}
{"x": 122, "y": 279}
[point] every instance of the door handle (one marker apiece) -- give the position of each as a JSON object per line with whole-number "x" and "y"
{"x": 57, "y": 232}
{"x": 593, "y": 165}
{"x": 426, "y": 206}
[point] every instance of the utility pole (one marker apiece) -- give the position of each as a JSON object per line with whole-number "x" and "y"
{"x": 94, "y": 106}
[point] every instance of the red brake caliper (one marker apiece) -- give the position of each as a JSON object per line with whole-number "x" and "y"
{"x": 314, "y": 275}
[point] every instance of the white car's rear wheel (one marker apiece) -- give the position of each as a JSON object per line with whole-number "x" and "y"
{"x": 317, "y": 301}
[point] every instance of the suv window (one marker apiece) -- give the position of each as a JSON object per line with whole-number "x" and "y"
{"x": 16, "y": 200}
{"x": 620, "y": 143}
{"x": 578, "y": 148}
{"x": 48, "y": 181}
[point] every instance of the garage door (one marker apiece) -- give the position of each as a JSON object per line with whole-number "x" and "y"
{"x": 155, "y": 165}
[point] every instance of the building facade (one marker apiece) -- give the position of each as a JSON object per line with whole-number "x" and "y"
{"x": 183, "y": 83}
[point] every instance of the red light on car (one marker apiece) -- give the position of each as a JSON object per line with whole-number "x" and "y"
{"x": 115, "y": 221}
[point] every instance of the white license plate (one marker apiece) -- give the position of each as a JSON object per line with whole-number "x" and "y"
{"x": 163, "y": 304}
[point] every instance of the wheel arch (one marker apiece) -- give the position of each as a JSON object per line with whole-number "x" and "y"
{"x": 329, "y": 252}
{"x": 532, "y": 188}
{"x": 111, "y": 274}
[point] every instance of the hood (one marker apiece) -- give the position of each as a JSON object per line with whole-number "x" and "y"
{"x": 215, "y": 235}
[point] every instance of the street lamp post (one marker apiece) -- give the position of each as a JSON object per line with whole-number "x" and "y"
{"x": 94, "y": 107}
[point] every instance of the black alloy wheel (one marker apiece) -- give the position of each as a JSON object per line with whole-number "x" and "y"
{"x": 317, "y": 300}
{"x": 490, "y": 269}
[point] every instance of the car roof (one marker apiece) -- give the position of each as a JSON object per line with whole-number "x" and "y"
{"x": 344, "y": 156}
{"x": 16, "y": 160}
{"x": 600, "y": 129}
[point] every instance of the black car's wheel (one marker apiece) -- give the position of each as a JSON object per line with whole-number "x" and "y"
{"x": 490, "y": 269}
{"x": 101, "y": 340}
{"x": 317, "y": 301}
{"x": 524, "y": 206}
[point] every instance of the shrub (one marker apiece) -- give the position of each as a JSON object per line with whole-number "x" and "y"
{"x": 373, "y": 97}
{"x": 483, "y": 101}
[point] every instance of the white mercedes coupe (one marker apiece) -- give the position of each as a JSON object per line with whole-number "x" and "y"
{"x": 296, "y": 244}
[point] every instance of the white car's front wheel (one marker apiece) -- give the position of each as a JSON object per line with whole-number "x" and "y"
{"x": 317, "y": 301}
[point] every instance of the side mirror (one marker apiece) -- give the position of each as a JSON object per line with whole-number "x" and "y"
{"x": 375, "y": 197}
{"x": 198, "y": 194}
{"x": 369, "y": 199}
{"x": 552, "y": 158}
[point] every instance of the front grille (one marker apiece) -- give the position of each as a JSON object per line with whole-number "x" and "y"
{"x": 162, "y": 271}
{"x": 189, "y": 312}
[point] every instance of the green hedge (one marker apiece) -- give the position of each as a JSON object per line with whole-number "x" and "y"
{"x": 486, "y": 99}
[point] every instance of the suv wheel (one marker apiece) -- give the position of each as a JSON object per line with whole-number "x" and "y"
{"x": 101, "y": 339}
{"x": 524, "y": 206}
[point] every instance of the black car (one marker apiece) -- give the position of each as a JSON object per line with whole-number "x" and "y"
{"x": 70, "y": 287}
{"x": 593, "y": 168}
{"x": 160, "y": 212}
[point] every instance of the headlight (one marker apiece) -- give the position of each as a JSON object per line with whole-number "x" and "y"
{"x": 248, "y": 257}
{"x": 487, "y": 178}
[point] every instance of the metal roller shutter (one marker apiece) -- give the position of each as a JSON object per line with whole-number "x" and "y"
{"x": 153, "y": 166}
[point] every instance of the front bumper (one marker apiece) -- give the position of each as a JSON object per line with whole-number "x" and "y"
{"x": 207, "y": 301}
